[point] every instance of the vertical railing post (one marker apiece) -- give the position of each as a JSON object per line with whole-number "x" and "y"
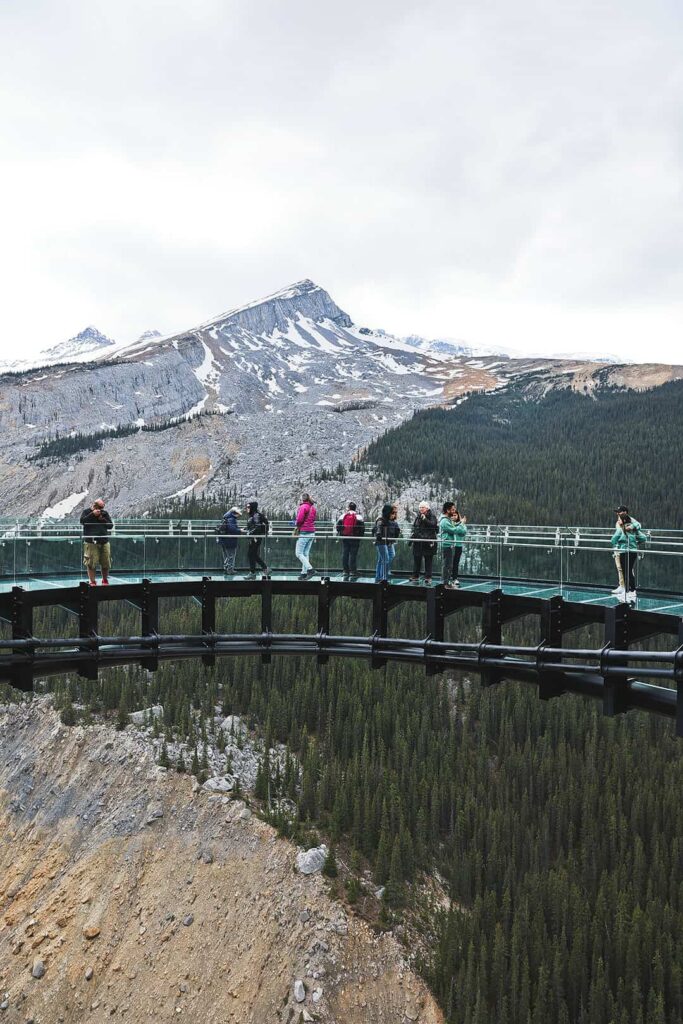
{"x": 616, "y": 638}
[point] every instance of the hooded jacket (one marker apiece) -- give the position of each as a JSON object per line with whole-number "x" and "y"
{"x": 229, "y": 531}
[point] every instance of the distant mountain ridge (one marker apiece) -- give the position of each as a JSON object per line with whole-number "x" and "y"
{"x": 261, "y": 398}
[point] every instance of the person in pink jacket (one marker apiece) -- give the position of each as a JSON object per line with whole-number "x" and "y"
{"x": 305, "y": 531}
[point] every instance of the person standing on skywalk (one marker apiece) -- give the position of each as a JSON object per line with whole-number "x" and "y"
{"x": 423, "y": 541}
{"x": 452, "y": 532}
{"x": 627, "y": 538}
{"x": 97, "y": 525}
{"x": 304, "y": 531}
{"x": 257, "y": 529}
{"x": 228, "y": 532}
{"x": 350, "y": 527}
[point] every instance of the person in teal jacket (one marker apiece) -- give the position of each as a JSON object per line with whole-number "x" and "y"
{"x": 452, "y": 532}
{"x": 626, "y": 539}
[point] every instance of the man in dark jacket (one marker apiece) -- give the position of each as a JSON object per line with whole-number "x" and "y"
{"x": 97, "y": 524}
{"x": 257, "y": 529}
{"x": 229, "y": 531}
{"x": 423, "y": 540}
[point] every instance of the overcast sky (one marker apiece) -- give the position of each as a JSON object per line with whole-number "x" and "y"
{"x": 499, "y": 172}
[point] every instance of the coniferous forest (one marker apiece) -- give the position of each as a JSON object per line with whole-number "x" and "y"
{"x": 557, "y": 832}
{"x": 565, "y": 459}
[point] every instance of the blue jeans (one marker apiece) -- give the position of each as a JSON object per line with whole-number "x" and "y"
{"x": 385, "y": 556}
{"x": 302, "y": 550}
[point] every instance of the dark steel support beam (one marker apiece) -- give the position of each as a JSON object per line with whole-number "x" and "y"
{"x": 678, "y": 676}
{"x": 87, "y": 627}
{"x": 436, "y": 617}
{"x": 616, "y": 638}
{"x": 324, "y": 605}
{"x": 22, "y": 629}
{"x": 550, "y": 684}
{"x": 208, "y": 602}
{"x": 149, "y": 616}
{"x": 266, "y": 616}
{"x": 380, "y": 618}
{"x": 491, "y": 631}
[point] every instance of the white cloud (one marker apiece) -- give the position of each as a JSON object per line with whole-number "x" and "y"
{"x": 496, "y": 172}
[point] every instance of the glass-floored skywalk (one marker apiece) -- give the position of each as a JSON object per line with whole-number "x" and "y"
{"x": 575, "y": 563}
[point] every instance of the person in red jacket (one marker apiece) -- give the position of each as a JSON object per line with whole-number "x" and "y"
{"x": 350, "y": 527}
{"x": 305, "y": 532}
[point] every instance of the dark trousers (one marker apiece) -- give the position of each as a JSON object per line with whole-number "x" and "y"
{"x": 628, "y": 560}
{"x": 423, "y": 550}
{"x": 253, "y": 554}
{"x": 350, "y": 547}
{"x": 450, "y": 563}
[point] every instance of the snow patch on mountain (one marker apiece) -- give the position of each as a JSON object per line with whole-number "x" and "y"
{"x": 64, "y": 507}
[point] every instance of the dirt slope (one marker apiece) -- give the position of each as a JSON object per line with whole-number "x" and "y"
{"x": 142, "y": 899}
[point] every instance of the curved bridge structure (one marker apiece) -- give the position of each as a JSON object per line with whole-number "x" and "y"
{"x": 621, "y": 678}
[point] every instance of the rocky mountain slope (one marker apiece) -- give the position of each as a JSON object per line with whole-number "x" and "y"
{"x": 128, "y": 893}
{"x": 260, "y": 397}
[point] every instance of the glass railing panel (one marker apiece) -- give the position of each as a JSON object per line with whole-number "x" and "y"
{"x": 660, "y": 570}
{"x": 128, "y": 556}
{"x": 47, "y": 556}
{"x": 199, "y": 555}
{"x": 589, "y": 562}
{"x": 481, "y": 556}
{"x": 534, "y": 562}
{"x": 7, "y": 556}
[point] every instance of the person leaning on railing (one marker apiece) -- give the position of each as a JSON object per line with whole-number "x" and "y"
{"x": 97, "y": 524}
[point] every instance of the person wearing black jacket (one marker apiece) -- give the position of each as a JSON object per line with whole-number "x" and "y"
{"x": 257, "y": 529}
{"x": 385, "y": 532}
{"x": 97, "y": 524}
{"x": 423, "y": 540}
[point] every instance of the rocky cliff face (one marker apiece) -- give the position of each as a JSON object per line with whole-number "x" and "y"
{"x": 261, "y": 397}
{"x": 125, "y": 893}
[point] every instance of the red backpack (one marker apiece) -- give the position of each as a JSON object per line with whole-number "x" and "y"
{"x": 349, "y": 525}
